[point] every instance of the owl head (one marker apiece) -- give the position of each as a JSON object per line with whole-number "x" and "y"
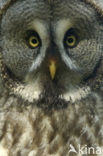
{"x": 50, "y": 48}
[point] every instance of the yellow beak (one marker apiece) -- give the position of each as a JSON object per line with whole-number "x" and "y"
{"x": 52, "y": 68}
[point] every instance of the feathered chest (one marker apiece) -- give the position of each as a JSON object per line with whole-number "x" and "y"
{"x": 30, "y": 130}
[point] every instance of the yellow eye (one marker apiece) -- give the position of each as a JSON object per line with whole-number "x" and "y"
{"x": 71, "y": 41}
{"x": 71, "y": 38}
{"x": 33, "y": 41}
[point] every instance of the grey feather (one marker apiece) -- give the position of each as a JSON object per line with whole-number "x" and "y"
{"x": 41, "y": 115}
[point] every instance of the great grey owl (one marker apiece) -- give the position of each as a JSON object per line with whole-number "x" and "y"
{"x": 51, "y": 77}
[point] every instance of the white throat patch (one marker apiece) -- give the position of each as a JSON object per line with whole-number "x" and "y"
{"x": 76, "y": 94}
{"x": 32, "y": 92}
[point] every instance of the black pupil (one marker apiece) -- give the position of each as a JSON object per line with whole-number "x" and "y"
{"x": 70, "y": 40}
{"x": 34, "y": 41}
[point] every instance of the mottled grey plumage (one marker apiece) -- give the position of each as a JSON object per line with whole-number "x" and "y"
{"x": 41, "y": 115}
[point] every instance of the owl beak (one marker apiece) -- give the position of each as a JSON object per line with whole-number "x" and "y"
{"x": 52, "y": 68}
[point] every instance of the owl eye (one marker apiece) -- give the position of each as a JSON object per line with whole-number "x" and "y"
{"x": 33, "y": 42}
{"x": 71, "y": 38}
{"x": 33, "y": 39}
{"x": 71, "y": 41}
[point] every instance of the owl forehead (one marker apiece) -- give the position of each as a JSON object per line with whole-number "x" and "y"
{"x": 47, "y": 15}
{"x": 50, "y": 10}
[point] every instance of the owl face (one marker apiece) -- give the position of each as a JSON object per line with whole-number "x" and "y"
{"x": 57, "y": 44}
